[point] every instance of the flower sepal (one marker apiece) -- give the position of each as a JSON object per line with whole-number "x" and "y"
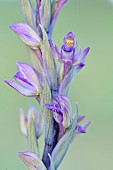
{"x": 32, "y": 161}
{"x": 27, "y": 34}
{"x": 61, "y": 108}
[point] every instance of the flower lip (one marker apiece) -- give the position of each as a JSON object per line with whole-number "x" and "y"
{"x": 69, "y": 42}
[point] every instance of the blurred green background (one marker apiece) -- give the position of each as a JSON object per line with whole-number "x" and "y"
{"x": 92, "y": 23}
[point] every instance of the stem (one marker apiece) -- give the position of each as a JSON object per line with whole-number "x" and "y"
{"x": 49, "y": 148}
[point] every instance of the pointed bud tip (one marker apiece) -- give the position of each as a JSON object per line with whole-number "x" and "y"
{"x": 86, "y": 124}
{"x": 6, "y": 81}
{"x": 88, "y": 48}
{"x": 80, "y": 117}
{"x": 12, "y": 26}
{"x": 19, "y": 154}
{"x": 86, "y": 51}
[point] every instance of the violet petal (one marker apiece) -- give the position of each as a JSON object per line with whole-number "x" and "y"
{"x": 55, "y": 51}
{"x": 27, "y": 34}
{"x": 32, "y": 160}
{"x": 29, "y": 74}
{"x": 18, "y": 76}
{"x": 80, "y": 129}
{"x": 80, "y": 118}
{"x": 81, "y": 58}
{"x": 20, "y": 89}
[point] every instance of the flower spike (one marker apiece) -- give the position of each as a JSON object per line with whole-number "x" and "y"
{"x": 48, "y": 81}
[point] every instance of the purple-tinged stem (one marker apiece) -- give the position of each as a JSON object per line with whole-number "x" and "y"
{"x": 49, "y": 148}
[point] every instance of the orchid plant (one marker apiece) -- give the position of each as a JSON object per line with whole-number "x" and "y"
{"x": 47, "y": 81}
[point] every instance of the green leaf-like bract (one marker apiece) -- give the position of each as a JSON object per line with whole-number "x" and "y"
{"x": 28, "y": 13}
{"x": 63, "y": 145}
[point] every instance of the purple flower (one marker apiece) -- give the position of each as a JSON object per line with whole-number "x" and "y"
{"x": 62, "y": 110}
{"x": 80, "y": 129}
{"x": 71, "y": 61}
{"x": 27, "y": 34}
{"x": 29, "y": 79}
{"x": 58, "y": 115}
{"x": 63, "y": 115}
{"x": 48, "y": 84}
{"x": 69, "y": 44}
{"x": 68, "y": 56}
{"x": 32, "y": 161}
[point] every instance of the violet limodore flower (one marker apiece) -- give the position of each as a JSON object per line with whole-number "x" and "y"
{"x": 48, "y": 82}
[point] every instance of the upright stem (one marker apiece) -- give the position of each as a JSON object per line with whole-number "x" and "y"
{"x": 48, "y": 148}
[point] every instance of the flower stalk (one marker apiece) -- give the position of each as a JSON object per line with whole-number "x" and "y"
{"x": 48, "y": 84}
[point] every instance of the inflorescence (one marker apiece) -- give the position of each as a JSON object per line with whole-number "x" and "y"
{"x": 48, "y": 81}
